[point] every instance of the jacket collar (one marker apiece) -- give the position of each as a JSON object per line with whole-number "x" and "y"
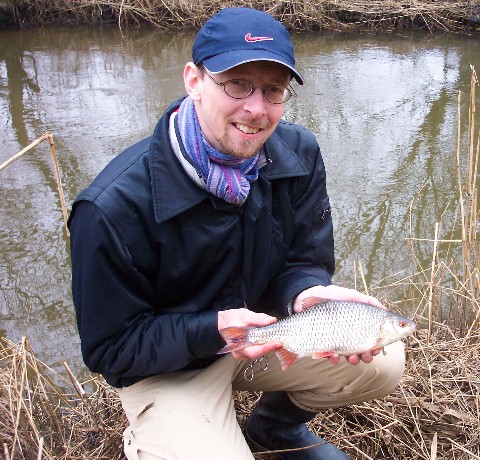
{"x": 173, "y": 192}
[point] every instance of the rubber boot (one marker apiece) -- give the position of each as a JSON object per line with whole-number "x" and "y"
{"x": 277, "y": 423}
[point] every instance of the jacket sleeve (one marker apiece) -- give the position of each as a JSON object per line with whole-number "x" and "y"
{"x": 121, "y": 336}
{"x": 311, "y": 259}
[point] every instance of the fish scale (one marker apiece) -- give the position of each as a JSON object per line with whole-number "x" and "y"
{"x": 325, "y": 327}
{"x": 341, "y": 329}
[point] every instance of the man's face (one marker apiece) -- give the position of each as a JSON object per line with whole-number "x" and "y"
{"x": 239, "y": 127}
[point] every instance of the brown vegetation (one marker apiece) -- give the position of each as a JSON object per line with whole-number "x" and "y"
{"x": 332, "y": 15}
{"x": 434, "y": 413}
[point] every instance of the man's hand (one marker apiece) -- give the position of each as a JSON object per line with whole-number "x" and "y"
{"x": 355, "y": 359}
{"x": 245, "y": 318}
{"x": 333, "y": 292}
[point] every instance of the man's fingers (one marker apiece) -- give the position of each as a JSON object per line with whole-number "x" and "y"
{"x": 364, "y": 357}
{"x": 242, "y": 317}
{"x": 353, "y": 359}
{"x": 334, "y": 359}
{"x": 255, "y": 351}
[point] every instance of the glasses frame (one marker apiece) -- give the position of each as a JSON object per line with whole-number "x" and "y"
{"x": 290, "y": 90}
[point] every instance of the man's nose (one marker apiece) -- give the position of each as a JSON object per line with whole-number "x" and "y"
{"x": 256, "y": 102}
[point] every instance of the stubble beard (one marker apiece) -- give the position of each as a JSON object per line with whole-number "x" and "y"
{"x": 241, "y": 148}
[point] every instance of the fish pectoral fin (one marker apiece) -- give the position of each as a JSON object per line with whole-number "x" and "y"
{"x": 286, "y": 357}
{"x": 322, "y": 354}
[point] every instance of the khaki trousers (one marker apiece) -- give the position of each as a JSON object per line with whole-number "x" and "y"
{"x": 190, "y": 415}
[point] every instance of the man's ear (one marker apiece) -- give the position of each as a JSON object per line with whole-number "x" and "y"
{"x": 192, "y": 77}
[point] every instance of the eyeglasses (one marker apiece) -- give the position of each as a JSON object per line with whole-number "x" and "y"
{"x": 240, "y": 89}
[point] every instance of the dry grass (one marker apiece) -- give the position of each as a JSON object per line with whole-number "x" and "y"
{"x": 433, "y": 414}
{"x": 314, "y": 15}
{"x": 44, "y": 415}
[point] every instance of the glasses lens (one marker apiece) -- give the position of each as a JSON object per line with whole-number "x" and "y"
{"x": 238, "y": 89}
{"x": 277, "y": 94}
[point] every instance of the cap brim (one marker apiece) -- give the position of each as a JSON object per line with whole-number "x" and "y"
{"x": 226, "y": 61}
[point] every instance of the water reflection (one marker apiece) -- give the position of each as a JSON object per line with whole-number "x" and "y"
{"x": 383, "y": 108}
{"x": 18, "y": 83}
{"x": 385, "y": 111}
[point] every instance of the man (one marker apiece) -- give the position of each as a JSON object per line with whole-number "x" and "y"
{"x": 221, "y": 218}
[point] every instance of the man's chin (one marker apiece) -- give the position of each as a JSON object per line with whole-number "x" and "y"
{"x": 243, "y": 156}
{"x": 245, "y": 152}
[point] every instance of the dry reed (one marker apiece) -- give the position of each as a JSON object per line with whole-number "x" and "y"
{"x": 336, "y": 15}
{"x": 45, "y": 136}
{"x": 44, "y": 415}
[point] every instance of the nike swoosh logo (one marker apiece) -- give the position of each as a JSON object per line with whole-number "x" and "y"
{"x": 250, "y": 39}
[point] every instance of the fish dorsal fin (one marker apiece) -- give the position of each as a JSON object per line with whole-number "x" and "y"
{"x": 309, "y": 302}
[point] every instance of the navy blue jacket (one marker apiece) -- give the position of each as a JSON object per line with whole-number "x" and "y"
{"x": 155, "y": 257}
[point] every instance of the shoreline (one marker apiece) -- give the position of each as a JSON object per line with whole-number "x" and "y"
{"x": 296, "y": 15}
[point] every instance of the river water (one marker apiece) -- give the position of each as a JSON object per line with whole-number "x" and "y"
{"x": 384, "y": 109}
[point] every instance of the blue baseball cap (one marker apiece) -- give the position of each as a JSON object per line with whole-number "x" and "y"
{"x": 236, "y": 36}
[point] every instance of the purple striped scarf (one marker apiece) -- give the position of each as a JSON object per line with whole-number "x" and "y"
{"x": 225, "y": 176}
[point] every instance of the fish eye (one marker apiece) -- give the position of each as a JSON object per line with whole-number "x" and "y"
{"x": 403, "y": 324}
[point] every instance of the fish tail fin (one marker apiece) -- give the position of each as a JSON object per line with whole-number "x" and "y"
{"x": 236, "y": 338}
{"x": 286, "y": 358}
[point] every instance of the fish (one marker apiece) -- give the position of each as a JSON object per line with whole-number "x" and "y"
{"x": 323, "y": 328}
